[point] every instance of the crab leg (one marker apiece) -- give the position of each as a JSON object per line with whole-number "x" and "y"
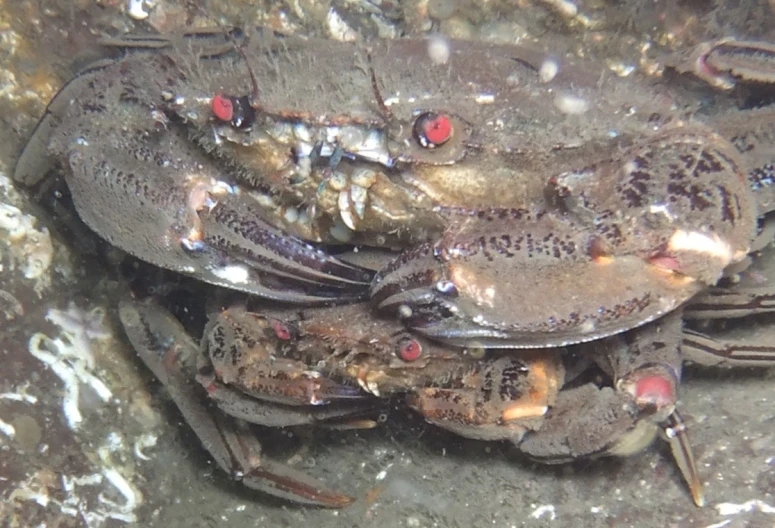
{"x": 675, "y": 433}
{"x": 725, "y": 62}
{"x": 711, "y": 351}
{"x": 753, "y": 290}
{"x": 722, "y": 303}
{"x": 167, "y": 350}
{"x": 272, "y": 414}
{"x": 215, "y": 41}
{"x": 646, "y": 366}
{"x": 262, "y": 474}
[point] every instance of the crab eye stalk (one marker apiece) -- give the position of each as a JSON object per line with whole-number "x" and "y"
{"x": 409, "y": 349}
{"x": 237, "y": 111}
{"x": 432, "y": 130}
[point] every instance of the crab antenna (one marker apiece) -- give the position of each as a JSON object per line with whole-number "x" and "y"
{"x": 254, "y": 84}
{"x": 386, "y": 113}
{"x": 254, "y": 95}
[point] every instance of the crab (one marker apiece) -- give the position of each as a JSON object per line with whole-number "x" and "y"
{"x": 219, "y": 156}
{"x": 536, "y": 202}
{"x": 282, "y": 367}
{"x": 277, "y": 370}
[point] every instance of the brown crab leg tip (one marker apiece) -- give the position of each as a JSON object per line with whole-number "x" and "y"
{"x": 698, "y": 494}
{"x": 282, "y": 482}
{"x": 675, "y": 431}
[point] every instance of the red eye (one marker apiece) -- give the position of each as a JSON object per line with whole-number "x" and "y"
{"x": 222, "y": 107}
{"x": 281, "y": 330}
{"x": 432, "y": 130}
{"x": 409, "y": 349}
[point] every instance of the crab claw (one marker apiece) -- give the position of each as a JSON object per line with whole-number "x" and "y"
{"x": 239, "y": 251}
{"x": 205, "y": 229}
{"x": 499, "y": 399}
{"x": 460, "y": 298}
{"x": 138, "y": 181}
{"x": 617, "y": 245}
{"x": 645, "y": 365}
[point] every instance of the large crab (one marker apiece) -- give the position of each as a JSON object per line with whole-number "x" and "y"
{"x": 492, "y": 170}
{"x": 542, "y": 202}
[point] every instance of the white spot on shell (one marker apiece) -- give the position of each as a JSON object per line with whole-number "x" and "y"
{"x": 438, "y": 50}
{"x": 548, "y": 71}
{"x": 661, "y": 209}
{"x": 697, "y": 242}
{"x": 587, "y": 327}
{"x": 571, "y": 104}
{"x": 233, "y": 273}
{"x": 666, "y": 304}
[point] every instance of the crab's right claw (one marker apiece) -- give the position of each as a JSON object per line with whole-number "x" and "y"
{"x": 171, "y": 355}
{"x": 139, "y": 183}
{"x": 200, "y": 226}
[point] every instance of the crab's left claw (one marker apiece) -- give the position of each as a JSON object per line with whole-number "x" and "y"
{"x": 496, "y": 399}
{"x": 617, "y": 245}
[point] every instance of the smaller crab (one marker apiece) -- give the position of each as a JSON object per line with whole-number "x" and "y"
{"x": 279, "y": 369}
{"x": 330, "y": 366}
